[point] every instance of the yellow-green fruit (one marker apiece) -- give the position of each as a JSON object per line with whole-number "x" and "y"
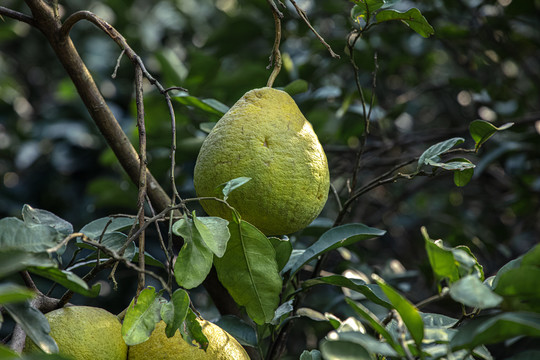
{"x": 85, "y": 333}
{"x": 264, "y": 136}
{"x": 221, "y": 346}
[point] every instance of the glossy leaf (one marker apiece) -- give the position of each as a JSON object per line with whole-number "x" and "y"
{"x": 211, "y": 106}
{"x": 482, "y": 130}
{"x": 11, "y": 293}
{"x": 67, "y": 279}
{"x": 371, "y": 291}
{"x": 334, "y": 238}
{"x": 30, "y": 237}
{"x": 496, "y": 328}
{"x": 433, "y": 153}
{"x": 141, "y": 317}
{"x": 15, "y": 260}
{"x": 34, "y": 323}
{"x": 375, "y": 324}
{"x": 408, "y": 312}
{"x": 519, "y": 288}
{"x": 311, "y": 355}
{"x": 412, "y": 18}
{"x": 463, "y": 176}
{"x": 97, "y": 228}
{"x": 249, "y": 271}
{"x": 470, "y": 291}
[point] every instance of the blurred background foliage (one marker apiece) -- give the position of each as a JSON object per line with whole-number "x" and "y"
{"x": 482, "y": 63}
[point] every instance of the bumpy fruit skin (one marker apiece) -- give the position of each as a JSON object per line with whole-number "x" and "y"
{"x": 221, "y": 346}
{"x": 264, "y": 136}
{"x": 85, "y": 333}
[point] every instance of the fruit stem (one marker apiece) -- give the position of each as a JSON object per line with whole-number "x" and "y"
{"x": 275, "y": 57}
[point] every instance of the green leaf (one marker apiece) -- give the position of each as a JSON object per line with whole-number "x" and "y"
{"x": 67, "y": 279}
{"x": 113, "y": 241}
{"x": 408, "y": 312}
{"x": 481, "y": 131}
{"x": 43, "y": 217}
{"x": 141, "y": 317}
{"x": 214, "y": 232}
{"x": 232, "y": 185}
{"x": 311, "y": 355}
{"x": 8, "y": 354}
{"x": 192, "y": 331}
{"x": 450, "y": 263}
{"x": 241, "y": 331}
{"x": 11, "y": 293}
{"x": 371, "y": 291}
{"x": 353, "y": 345}
{"x": 376, "y": 325}
{"x": 34, "y": 323}
{"x": 27, "y": 236}
{"x": 470, "y": 291}
{"x": 334, "y": 238}
{"x": 519, "y": 288}
{"x": 463, "y": 176}
{"x": 496, "y": 328}
{"x": 451, "y": 165}
{"x": 283, "y": 250}
{"x": 175, "y": 311}
{"x": 97, "y": 228}
{"x": 211, "y": 106}
{"x": 249, "y": 271}
{"x": 412, "y": 18}
{"x": 363, "y": 10}
{"x": 433, "y": 153}
{"x": 194, "y": 260}
{"x": 14, "y": 260}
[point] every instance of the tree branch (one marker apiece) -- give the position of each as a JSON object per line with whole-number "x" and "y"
{"x": 17, "y": 15}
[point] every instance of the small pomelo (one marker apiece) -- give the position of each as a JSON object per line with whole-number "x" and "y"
{"x": 221, "y": 346}
{"x": 85, "y": 333}
{"x": 265, "y": 137}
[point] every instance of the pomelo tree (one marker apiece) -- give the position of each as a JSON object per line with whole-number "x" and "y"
{"x": 427, "y": 113}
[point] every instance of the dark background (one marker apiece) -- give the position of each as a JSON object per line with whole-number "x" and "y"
{"x": 482, "y": 63}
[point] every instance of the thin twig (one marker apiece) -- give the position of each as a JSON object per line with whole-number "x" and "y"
{"x": 17, "y": 15}
{"x": 304, "y": 17}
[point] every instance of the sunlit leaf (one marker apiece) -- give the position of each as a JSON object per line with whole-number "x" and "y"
{"x": 214, "y": 232}
{"x": 211, "y": 106}
{"x": 408, "y": 312}
{"x": 141, "y": 317}
{"x": 192, "y": 331}
{"x": 470, "y": 291}
{"x": 482, "y": 130}
{"x": 249, "y": 271}
{"x": 231, "y": 185}
{"x": 334, "y": 238}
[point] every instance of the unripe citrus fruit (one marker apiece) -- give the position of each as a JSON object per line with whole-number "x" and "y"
{"x": 85, "y": 333}
{"x": 265, "y": 137}
{"x": 221, "y": 346}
